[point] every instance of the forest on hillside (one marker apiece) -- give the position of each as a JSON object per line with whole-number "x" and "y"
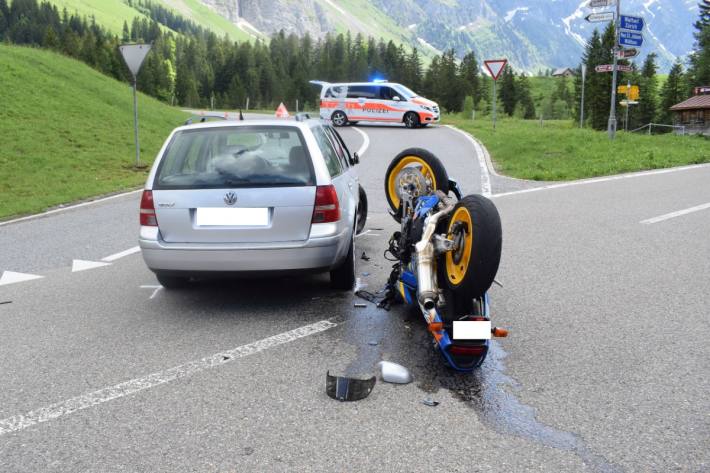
{"x": 192, "y": 67}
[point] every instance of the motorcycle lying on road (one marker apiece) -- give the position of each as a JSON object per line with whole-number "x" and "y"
{"x": 446, "y": 255}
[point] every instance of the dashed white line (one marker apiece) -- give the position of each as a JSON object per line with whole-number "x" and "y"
{"x": 115, "y": 256}
{"x": 365, "y": 143}
{"x": 480, "y": 155}
{"x": 678, "y": 213}
{"x": 28, "y": 419}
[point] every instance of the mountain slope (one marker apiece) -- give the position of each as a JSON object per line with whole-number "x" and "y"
{"x": 71, "y": 129}
{"x": 531, "y": 33}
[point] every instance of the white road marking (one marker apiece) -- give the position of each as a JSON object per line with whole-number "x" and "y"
{"x": 11, "y": 277}
{"x": 678, "y": 213}
{"x": 44, "y": 414}
{"x": 82, "y": 265}
{"x": 595, "y": 180}
{"x": 155, "y": 292}
{"x": 69, "y": 207}
{"x": 365, "y": 142}
{"x": 480, "y": 155}
{"x": 129, "y": 251}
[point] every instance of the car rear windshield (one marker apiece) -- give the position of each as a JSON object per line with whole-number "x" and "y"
{"x": 243, "y": 156}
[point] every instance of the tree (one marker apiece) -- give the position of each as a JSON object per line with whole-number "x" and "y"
{"x": 468, "y": 71}
{"x": 699, "y": 72}
{"x": 506, "y": 90}
{"x": 648, "y": 86}
{"x": 525, "y": 104}
{"x": 673, "y": 92}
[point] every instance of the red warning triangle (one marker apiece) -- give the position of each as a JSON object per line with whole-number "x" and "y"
{"x": 281, "y": 112}
{"x": 495, "y": 67}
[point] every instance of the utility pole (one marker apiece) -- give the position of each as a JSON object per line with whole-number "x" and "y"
{"x": 611, "y": 129}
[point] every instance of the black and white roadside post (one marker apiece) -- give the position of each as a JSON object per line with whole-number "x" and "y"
{"x": 133, "y": 55}
{"x": 495, "y": 67}
{"x": 581, "y": 106}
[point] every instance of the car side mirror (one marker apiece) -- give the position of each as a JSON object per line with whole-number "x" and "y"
{"x": 396, "y": 98}
{"x": 355, "y": 158}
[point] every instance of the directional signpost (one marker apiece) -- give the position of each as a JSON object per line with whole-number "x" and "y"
{"x": 495, "y": 67}
{"x": 632, "y": 23}
{"x": 627, "y": 53}
{"x": 597, "y": 17}
{"x": 600, "y": 3}
{"x": 630, "y": 38}
{"x": 134, "y": 54}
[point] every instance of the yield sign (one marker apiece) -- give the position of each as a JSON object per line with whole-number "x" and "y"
{"x": 134, "y": 54}
{"x": 495, "y": 67}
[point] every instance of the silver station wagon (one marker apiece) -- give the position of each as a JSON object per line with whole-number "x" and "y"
{"x": 246, "y": 197}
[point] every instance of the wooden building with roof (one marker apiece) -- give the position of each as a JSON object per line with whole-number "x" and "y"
{"x": 694, "y": 113}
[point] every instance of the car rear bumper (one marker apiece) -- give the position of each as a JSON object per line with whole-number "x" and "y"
{"x": 314, "y": 254}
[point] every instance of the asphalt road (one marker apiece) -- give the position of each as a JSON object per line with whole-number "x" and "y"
{"x": 606, "y": 367}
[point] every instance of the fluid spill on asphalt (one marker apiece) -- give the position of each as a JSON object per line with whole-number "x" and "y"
{"x": 488, "y": 391}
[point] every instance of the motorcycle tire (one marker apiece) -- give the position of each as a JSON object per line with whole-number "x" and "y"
{"x": 432, "y": 169}
{"x": 475, "y": 226}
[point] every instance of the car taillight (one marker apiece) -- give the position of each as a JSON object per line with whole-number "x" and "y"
{"x": 326, "y": 208}
{"x": 148, "y": 217}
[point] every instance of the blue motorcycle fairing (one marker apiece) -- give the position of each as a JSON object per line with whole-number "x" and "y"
{"x": 425, "y": 204}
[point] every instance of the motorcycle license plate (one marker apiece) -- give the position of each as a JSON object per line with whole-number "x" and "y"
{"x": 472, "y": 329}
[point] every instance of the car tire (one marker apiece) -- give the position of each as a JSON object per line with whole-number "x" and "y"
{"x": 411, "y": 120}
{"x": 343, "y": 277}
{"x": 433, "y": 168}
{"x": 339, "y": 118}
{"x": 172, "y": 282}
{"x": 361, "y": 211}
{"x": 475, "y": 226}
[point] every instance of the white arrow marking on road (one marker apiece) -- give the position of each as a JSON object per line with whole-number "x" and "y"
{"x": 155, "y": 292}
{"x": 129, "y": 251}
{"x": 11, "y": 277}
{"x": 679, "y": 213}
{"x": 28, "y": 419}
{"x": 82, "y": 265}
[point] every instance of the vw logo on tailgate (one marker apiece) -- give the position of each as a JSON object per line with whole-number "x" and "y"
{"x": 230, "y": 198}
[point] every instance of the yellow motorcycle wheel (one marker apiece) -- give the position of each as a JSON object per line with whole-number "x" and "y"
{"x": 461, "y": 231}
{"x": 431, "y": 168}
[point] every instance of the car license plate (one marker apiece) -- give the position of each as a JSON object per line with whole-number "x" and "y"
{"x": 241, "y": 217}
{"x": 472, "y": 329}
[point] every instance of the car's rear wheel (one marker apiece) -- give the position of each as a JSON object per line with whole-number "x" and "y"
{"x": 339, "y": 118}
{"x": 343, "y": 277}
{"x": 411, "y": 120}
{"x": 172, "y": 282}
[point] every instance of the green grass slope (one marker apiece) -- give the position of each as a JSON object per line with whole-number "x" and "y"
{"x": 68, "y": 131}
{"x": 112, "y": 13}
{"x": 561, "y": 151}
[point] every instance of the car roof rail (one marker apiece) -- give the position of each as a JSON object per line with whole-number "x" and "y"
{"x": 303, "y": 116}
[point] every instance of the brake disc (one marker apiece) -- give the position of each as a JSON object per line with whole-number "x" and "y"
{"x": 411, "y": 183}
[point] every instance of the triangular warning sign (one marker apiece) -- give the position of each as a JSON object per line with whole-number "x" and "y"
{"x": 134, "y": 54}
{"x": 281, "y": 112}
{"x": 495, "y": 67}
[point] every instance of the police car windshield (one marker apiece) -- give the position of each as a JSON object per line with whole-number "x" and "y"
{"x": 406, "y": 93}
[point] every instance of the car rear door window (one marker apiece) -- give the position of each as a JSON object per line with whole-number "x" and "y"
{"x": 362, "y": 92}
{"x": 342, "y": 156}
{"x": 330, "y": 156}
{"x": 244, "y": 156}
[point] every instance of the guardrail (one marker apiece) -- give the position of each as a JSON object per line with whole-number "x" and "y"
{"x": 650, "y": 126}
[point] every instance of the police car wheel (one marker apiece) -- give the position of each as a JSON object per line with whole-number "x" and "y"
{"x": 339, "y": 118}
{"x": 411, "y": 120}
